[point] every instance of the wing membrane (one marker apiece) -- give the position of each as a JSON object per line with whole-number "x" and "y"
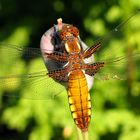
{"x": 117, "y": 68}
{"x": 33, "y": 86}
{"x": 118, "y": 50}
{"x": 23, "y": 77}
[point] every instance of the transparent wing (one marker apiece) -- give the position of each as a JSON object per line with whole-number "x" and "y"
{"x": 119, "y": 67}
{"x": 23, "y": 76}
{"x": 118, "y": 50}
{"x": 30, "y": 86}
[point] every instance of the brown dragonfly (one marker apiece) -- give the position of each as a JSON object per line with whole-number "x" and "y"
{"x": 70, "y": 66}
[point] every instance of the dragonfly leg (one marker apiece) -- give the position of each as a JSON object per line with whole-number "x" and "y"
{"x": 61, "y": 57}
{"x": 88, "y": 52}
{"x": 91, "y": 69}
{"x": 59, "y": 75}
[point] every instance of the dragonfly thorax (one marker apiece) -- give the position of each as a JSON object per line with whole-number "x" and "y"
{"x": 72, "y": 45}
{"x": 75, "y": 61}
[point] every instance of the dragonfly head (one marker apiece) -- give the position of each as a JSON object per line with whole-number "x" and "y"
{"x": 69, "y": 35}
{"x": 68, "y": 30}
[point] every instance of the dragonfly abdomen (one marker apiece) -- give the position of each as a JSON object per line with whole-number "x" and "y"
{"x": 79, "y": 99}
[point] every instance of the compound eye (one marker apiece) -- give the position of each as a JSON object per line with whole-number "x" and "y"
{"x": 63, "y": 35}
{"x": 74, "y": 31}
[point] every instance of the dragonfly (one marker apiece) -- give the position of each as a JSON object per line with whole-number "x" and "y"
{"x": 70, "y": 65}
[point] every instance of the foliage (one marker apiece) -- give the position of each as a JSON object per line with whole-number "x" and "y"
{"x": 115, "y": 114}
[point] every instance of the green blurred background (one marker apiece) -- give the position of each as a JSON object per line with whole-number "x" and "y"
{"x": 116, "y": 104}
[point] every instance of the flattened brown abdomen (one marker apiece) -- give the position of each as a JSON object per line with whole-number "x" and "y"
{"x": 79, "y": 99}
